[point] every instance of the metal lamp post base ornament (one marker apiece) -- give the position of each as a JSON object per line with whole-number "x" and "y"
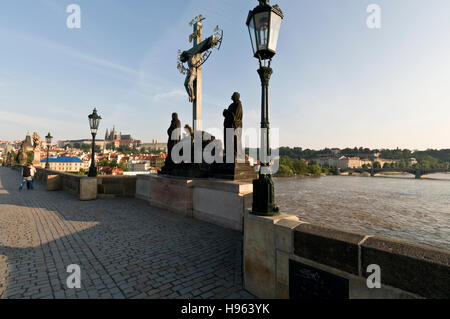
{"x": 263, "y": 188}
{"x": 264, "y": 197}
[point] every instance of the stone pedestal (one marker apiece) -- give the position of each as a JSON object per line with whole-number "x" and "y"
{"x": 37, "y": 157}
{"x": 171, "y": 193}
{"x": 186, "y": 171}
{"x": 53, "y": 182}
{"x": 22, "y": 159}
{"x": 88, "y": 188}
{"x": 143, "y": 187}
{"x": 267, "y": 246}
{"x": 219, "y": 202}
{"x": 241, "y": 172}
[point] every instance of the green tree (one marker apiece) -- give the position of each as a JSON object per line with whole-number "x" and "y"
{"x": 124, "y": 149}
{"x": 314, "y": 168}
{"x": 334, "y": 170}
{"x": 122, "y": 166}
{"x": 30, "y": 157}
{"x": 113, "y": 163}
{"x": 287, "y": 161}
{"x": 285, "y": 171}
{"x": 300, "y": 167}
{"x": 326, "y": 170}
{"x": 103, "y": 163}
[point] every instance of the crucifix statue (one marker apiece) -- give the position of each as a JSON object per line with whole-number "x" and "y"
{"x": 195, "y": 58}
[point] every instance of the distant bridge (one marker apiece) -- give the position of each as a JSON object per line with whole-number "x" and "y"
{"x": 417, "y": 172}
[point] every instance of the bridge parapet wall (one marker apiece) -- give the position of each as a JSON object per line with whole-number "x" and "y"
{"x": 301, "y": 260}
{"x": 116, "y": 186}
{"x": 85, "y": 187}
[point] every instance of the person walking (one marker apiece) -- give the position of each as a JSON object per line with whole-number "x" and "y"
{"x": 27, "y": 174}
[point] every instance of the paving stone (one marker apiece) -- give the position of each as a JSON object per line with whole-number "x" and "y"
{"x": 125, "y": 249}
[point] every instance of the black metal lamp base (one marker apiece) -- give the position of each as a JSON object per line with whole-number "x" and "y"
{"x": 264, "y": 197}
{"x": 92, "y": 172}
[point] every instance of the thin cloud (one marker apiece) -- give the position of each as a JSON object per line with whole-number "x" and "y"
{"x": 174, "y": 94}
{"x": 35, "y": 123}
{"x": 75, "y": 53}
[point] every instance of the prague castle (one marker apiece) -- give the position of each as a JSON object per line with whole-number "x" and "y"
{"x": 114, "y": 136}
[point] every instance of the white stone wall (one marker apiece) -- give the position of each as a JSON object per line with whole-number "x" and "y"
{"x": 218, "y": 202}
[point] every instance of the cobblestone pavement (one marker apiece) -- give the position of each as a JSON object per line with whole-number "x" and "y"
{"x": 125, "y": 249}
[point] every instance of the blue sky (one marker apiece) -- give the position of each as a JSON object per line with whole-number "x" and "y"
{"x": 336, "y": 82}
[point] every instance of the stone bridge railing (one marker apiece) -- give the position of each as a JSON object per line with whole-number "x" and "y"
{"x": 287, "y": 258}
{"x": 87, "y": 188}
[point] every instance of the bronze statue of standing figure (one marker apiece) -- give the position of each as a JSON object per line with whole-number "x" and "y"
{"x": 233, "y": 120}
{"x": 174, "y": 133}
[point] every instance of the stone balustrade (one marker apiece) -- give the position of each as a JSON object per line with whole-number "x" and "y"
{"x": 219, "y": 202}
{"x": 87, "y": 188}
{"x": 301, "y": 260}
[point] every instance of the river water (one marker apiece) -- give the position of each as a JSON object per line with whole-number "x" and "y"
{"x": 397, "y": 207}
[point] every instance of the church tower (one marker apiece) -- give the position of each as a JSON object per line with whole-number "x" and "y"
{"x": 114, "y": 133}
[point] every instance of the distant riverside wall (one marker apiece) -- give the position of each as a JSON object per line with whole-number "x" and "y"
{"x": 300, "y": 260}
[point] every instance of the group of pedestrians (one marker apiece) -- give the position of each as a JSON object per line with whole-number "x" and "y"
{"x": 27, "y": 173}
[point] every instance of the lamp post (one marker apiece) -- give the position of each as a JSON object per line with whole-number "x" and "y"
{"x": 94, "y": 122}
{"x": 48, "y": 140}
{"x": 264, "y": 23}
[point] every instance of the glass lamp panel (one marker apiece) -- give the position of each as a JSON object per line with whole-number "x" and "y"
{"x": 275, "y": 26}
{"x": 96, "y": 122}
{"x": 94, "y": 130}
{"x": 251, "y": 30}
{"x": 262, "y": 30}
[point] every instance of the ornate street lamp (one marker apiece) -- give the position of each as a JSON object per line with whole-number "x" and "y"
{"x": 94, "y": 122}
{"x": 264, "y": 24}
{"x": 48, "y": 140}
